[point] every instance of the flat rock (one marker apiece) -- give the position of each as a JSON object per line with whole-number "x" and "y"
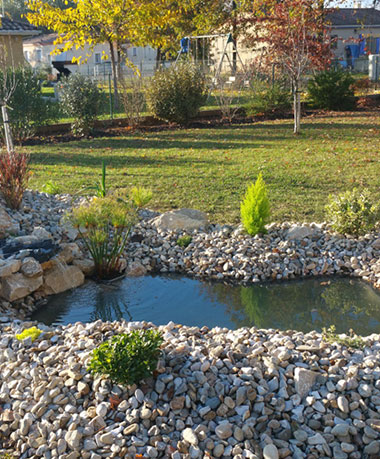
{"x": 181, "y": 219}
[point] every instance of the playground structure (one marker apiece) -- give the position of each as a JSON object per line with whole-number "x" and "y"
{"x": 204, "y": 49}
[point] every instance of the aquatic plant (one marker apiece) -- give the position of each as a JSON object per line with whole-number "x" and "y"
{"x": 104, "y": 226}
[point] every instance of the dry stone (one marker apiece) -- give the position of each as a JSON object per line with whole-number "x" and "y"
{"x": 181, "y": 219}
{"x": 18, "y": 286}
{"x": 61, "y": 277}
{"x": 9, "y": 267}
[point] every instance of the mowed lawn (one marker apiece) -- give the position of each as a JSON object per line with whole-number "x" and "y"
{"x": 209, "y": 169}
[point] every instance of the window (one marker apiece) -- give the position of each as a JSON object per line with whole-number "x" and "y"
{"x": 38, "y": 55}
{"x": 98, "y": 58}
{"x": 134, "y": 52}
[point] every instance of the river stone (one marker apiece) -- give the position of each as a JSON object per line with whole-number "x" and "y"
{"x": 299, "y": 232}
{"x": 181, "y": 219}
{"x": 270, "y": 452}
{"x": 376, "y": 244}
{"x": 340, "y": 430}
{"x": 189, "y": 436}
{"x": 61, "y": 277}
{"x": 224, "y": 430}
{"x": 18, "y": 286}
{"x": 7, "y": 225}
{"x": 304, "y": 381}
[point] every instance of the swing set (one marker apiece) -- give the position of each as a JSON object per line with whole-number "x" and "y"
{"x": 198, "y": 49}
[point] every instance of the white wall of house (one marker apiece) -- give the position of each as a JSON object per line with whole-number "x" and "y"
{"x": 39, "y": 55}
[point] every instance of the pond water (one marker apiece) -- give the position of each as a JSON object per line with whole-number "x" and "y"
{"x": 303, "y": 305}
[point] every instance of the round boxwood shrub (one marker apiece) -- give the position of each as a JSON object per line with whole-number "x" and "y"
{"x": 332, "y": 90}
{"x": 80, "y": 98}
{"x": 176, "y": 94}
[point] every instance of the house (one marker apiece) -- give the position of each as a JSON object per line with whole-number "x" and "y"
{"x": 11, "y": 36}
{"x": 39, "y": 52}
{"x": 357, "y": 31}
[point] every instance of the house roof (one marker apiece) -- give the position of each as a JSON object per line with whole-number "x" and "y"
{"x": 45, "y": 39}
{"x": 9, "y": 27}
{"x": 354, "y": 17}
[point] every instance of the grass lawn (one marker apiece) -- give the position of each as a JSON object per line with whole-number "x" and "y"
{"x": 209, "y": 169}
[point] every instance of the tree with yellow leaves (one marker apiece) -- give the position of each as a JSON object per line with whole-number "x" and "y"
{"x": 89, "y": 22}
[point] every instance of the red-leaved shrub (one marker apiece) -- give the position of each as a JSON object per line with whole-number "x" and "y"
{"x": 14, "y": 176}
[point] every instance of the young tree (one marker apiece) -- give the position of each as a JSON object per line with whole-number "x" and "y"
{"x": 115, "y": 22}
{"x": 291, "y": 34}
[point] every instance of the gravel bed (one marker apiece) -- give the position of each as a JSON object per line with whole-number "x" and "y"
{"x": 217, "y": 393}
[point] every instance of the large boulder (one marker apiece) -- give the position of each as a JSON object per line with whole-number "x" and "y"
{"x": 7, "y": 225}
{"x": 18, "y": 286}
{"x": 60, "y": 277}
{"x": 181, "y": 219}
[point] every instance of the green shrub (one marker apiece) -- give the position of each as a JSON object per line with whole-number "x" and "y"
{"x": 332, "y": 90}
{"x": 104, "y": 227}
{"x": 352, "y": 212}
{"x": 176, "y": 94}
{"x": 80, "y": 98}
{"x": 129, "y": 357}
{"x": 255, "y": 208}
{"x": 32, "y": 332}
{"x": 266, "y": 98}
{"x": 184, "y": 241}
{"x": 141, "y": 196}
{"x": 28, "y": 110}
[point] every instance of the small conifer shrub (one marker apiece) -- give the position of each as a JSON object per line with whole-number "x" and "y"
{"x": 255, "y": 207}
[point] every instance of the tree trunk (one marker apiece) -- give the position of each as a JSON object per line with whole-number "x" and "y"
{"x": 296, "y": 107}
{"x": 158, "y": 57}
{"x": 114, "y": 74}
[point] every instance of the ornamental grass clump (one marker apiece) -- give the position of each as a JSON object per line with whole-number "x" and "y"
{"x": 128, "y": 358}
{"x": 255, "y": 207}
{"x": 14, "y": 177}
{"x": 104, "y": 226}
{"x": 353, "y": 212}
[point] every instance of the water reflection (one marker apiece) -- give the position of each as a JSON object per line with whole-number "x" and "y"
{"x": 300, "y": 305}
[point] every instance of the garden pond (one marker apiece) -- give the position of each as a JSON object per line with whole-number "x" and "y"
{"x": 304, "y": 305}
